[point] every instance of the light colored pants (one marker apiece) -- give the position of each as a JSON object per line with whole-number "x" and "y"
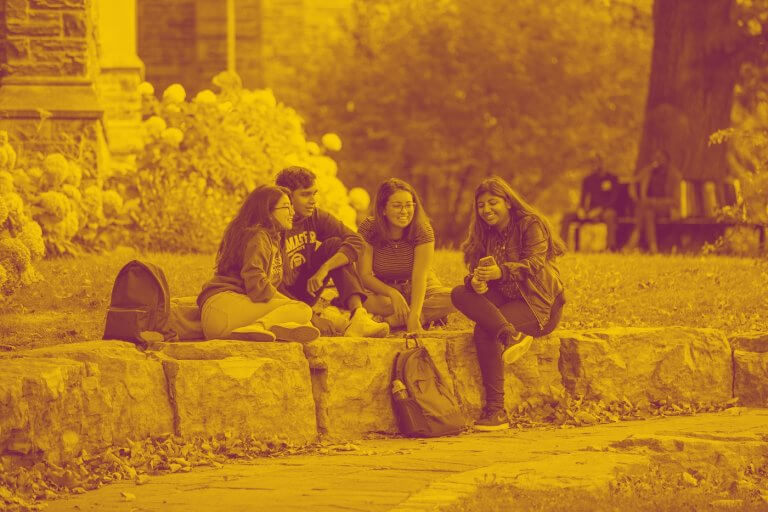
{"x": 226, "y": 311}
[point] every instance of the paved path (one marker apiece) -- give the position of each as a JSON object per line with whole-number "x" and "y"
{"x": 416, "y": 475}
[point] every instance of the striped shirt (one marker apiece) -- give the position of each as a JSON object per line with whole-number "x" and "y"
{"x": 393, "y": 260}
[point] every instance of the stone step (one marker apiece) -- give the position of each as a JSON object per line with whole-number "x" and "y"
{"x": 57, "y": 401}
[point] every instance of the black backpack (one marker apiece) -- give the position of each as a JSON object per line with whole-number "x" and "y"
{"x": 423, "y": 404}
{"x": 140, "y": 305}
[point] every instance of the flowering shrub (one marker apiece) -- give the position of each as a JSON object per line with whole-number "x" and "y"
{"x": 203, "y": 156}
{"x": 21, "y": 242}
{"x": 70, "y": 205}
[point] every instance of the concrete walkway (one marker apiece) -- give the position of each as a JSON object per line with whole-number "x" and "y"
{"x": 417, "y": 475}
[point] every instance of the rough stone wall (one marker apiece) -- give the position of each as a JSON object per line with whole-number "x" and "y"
{"x": 48, "y": 62}
{"x": 48, "y": 38}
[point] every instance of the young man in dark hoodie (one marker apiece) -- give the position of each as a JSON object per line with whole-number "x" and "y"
{"x": 319, "y": 247}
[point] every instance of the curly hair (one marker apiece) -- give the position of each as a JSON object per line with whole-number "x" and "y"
{"x": 295, "y": 177}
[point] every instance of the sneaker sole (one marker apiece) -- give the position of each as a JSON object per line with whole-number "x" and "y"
{"x": 301, "y": 333}
{"x": 251, "y": 336}
{"x": 380, "y": 332}
{"x": 491, "y": 428}
{"x": 517, "y": 350}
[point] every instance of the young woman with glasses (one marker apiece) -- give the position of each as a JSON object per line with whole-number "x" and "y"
{"x": 242, "y": 300}
{"x": 396, "y": 262}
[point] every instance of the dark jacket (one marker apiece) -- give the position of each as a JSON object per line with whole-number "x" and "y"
{"x": 521, "y": 252}
{"x": 301, "y": 240}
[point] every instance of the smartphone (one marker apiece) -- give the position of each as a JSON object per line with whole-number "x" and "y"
{"x": 487, "y": 261}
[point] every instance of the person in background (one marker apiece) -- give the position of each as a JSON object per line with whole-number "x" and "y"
{"x": 319, "y": 247}
{"x": 656, "y": 195}
{"x": 241, "y": 301}
{"x": 598, "y": 201}
{"x": 396, "y": 262}
{"x": 513, "y": 291}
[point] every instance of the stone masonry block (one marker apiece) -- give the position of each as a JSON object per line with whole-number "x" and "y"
{"x": 57, "y": 4}
{"x": 17, "y": 49}
{"x": 750, "y": 342}
{"x": 74, "y": 24}
{"x": 532, "y": 382}
{"x": 129, "y": 400}
{"x": 260, "y": 389}
{"x": 68, "y": 69}
{"x": 59, "y": 50}
{"x": 461, "y": 357}
{"x": 57, "y": 401}
{"x": 351, "y": 380}
{"x": 41, "y": 407}
{"x": 16, "y": 10}
{"x": 36, "y": 24}
{"x": 750, "y": 367}
{"x": 750, "y": 380}
{"x": 680, "y": 364}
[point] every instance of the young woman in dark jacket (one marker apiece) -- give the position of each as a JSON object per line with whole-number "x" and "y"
{"x": 513, "y": 292}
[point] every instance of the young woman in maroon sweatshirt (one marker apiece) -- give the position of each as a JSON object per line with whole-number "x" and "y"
{"x": 241, "y": 301}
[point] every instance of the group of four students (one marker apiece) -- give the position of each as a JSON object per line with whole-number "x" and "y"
{"x": 280, "y": 250}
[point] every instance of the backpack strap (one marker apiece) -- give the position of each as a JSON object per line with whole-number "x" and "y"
{"x": 412, "y": 338}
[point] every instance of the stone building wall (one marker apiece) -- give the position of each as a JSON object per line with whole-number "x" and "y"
{"x": 48, "y": 61}
{"x": 185, "y": 40}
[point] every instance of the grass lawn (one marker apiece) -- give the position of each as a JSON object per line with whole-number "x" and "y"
{"x": 603, "y": 290}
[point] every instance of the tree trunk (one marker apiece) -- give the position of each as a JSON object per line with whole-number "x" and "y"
{"x": 694, "y": 69}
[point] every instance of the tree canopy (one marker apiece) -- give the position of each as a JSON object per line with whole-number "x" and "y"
{"x": 446, "y": 92}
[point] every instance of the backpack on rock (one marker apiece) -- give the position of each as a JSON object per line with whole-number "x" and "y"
{"x": 140, "y": 305}
{"x": 424, "y": 405}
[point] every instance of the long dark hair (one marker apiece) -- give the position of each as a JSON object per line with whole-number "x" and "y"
{"x": 383, "y": 193}
{"x": 474, "y": 246}
{"x": 254, "y": 214}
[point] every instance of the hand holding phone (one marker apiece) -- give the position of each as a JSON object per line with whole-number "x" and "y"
{"x": 487, "y": 261}
{"x": 487, "y": 269}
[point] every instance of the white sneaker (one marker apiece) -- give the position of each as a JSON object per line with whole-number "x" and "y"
{"x": 517, "y": 347}
{"x": 331, "y": 321}
{"x": 294, "y": 331}
{"x": 361, "y": 325}
{"x": 253, "y": 332}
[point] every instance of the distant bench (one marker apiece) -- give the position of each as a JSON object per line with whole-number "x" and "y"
{"x": 707, "y": 228}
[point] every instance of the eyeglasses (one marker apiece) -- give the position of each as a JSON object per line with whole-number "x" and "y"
{"x": 402, "y": 206}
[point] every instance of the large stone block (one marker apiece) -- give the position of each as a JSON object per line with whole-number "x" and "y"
{"x": 57, "y": 4}
{"x": 678, "y": 364}
{"x": 41, "y": 406}
{"x": 35, "y": 24}
{"x": 59, "y": 50}
{"x": 750, "y": 368}
{"x": 125, "y": 390}
{"x": 750, "y": 380}
{"x": 461, "y": 357}
{"x": 531, "y": 384}
{"x": 56, "y": 401}
{"x": 260, "y": 389}
{"x": 74, "y": 24}
{"x": 17, "y": 49}
{"x": 351, "y": 380}
{"x": 750, "y": 342}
